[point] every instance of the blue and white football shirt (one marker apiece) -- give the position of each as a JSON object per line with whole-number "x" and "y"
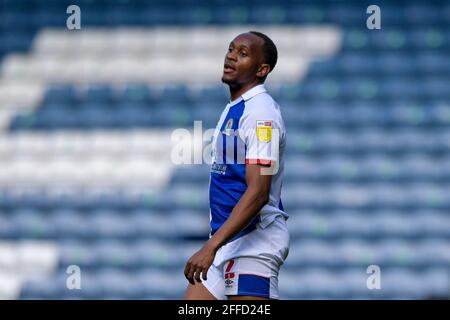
{"x": 250, "y": 131}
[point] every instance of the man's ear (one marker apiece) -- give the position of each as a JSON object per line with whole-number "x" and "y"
{"x": 263, "y": 70}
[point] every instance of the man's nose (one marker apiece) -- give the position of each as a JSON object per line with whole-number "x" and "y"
{"x": 231, "y": 56}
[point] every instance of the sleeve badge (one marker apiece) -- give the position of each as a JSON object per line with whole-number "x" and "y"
{"x": 264, "y": 130}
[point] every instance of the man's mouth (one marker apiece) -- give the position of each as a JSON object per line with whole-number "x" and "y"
{"x": 228, "y": 68}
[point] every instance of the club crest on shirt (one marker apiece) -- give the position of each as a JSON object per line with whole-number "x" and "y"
{"x": 264, "y": 130}
{"x": 228, "y": 127}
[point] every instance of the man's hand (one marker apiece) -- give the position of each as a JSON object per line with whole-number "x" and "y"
{"x": 251, "y": 202}
{"x": 199, "y": 263}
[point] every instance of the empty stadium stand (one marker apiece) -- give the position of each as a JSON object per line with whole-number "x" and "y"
{"x": 86, "y": 118}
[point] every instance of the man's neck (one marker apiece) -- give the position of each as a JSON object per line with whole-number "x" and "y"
{"x": 236, "y": 92}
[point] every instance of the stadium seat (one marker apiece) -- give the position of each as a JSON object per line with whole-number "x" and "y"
{"x": 74, "y": 252}
{"x": 44, "y": 288}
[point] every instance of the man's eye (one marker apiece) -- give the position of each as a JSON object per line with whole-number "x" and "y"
{"x": 229, "y": 49}
{"x": 244, "y": 54}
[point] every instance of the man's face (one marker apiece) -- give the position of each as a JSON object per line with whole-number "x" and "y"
{"x": 243, "y": 59}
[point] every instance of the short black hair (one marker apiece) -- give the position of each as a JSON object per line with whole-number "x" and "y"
{"x": 270, "y": 51}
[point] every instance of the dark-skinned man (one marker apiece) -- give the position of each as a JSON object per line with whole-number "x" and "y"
{"x": 249, "y": 239}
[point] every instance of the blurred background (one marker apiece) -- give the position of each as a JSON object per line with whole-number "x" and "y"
{"x": 86, "y": 118}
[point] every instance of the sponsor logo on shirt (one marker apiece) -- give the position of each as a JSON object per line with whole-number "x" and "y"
{"x": 219, "y": 168}
{"x": 264, "y": 130}
{"x": 229, "y": 279}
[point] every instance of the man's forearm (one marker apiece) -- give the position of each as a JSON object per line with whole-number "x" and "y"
{"x": 245, "y": 210}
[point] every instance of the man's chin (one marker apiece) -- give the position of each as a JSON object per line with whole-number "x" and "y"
{"x": 227, "y": 80}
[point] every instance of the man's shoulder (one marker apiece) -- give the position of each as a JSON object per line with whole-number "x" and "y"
{"x": 261, "y": 102}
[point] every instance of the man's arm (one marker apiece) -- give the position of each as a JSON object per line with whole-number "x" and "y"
{"x": 251, "y": 202}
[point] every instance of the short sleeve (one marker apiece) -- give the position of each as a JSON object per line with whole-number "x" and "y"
{"x": 261, "y": 132}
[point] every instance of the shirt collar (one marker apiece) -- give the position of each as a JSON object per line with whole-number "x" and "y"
{"x": 253, "y": 92}
{"x": 249, "y": 94}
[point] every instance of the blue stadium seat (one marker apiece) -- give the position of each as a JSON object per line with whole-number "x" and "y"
{"x": 91, "y": 286}
{"x": 133, "y": 118}
{"x": 149, "y": 224}
{"x": 308, "y": 224}
{"x": 355, "y": 64}
{"x": 435, "y": 283}
{"x": 197, "y": 15}
{"x": 161, "y": 284}
{"x": 431, "y": 38}
{"x": 315, "y": 283}
{"x": 432, "y": 63}
{"x": 433, "y": 252}
{"x": 98, "y": 93}
{"x": 49, "y": 17}
{"x": 158, "y": 254}
{"x": 190, "y": 224}
{"x": 435, "y": 88}
{"x": 432, "y": 224}
{"x": 43, "y": 288}
{"x": 111, "y": 224}
{"x": 381, "y": 169}
{"x": 60, "y": 93}
{"x": 390, "y": 225}
{"x": 104, "y": 199}
{"x": 192, "y": 173}
{"x": 117, "y": 284}
{"x": 74, "y": 252}
{"x": 401, "y": 284}
{"x": 439, "y": 114}
{"x": 175, "y": 94}
{"x": 401, "y": 88}
{"x": 134, "y": 92}
{"x": 19, "y": 42}
{"x": 114, "y": 254}
{"x": 8, "y": 229}
{"x": 323, "y": 68}
{"x": 214, "y": 93}
{"x": 395, "y": 64}
{"x": 188, "y": 196}
{"x": 300, "y": 13}
{"x": 348, "y": 15}
{"x": 353, "y": 285}
{"x": 94, "y": 117}
{"x": 63, "y": 117}
{"x": 303, "y": 169}
{"x": 310, "y": 253}
{"x": 30, "y": 223}
{"x": 419, "y": 14}
{"x": 273, "y": 14}
{"x": 71, "y": 224}
{"x": 396, "y": 253}
{"x": 355, "y": 253}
